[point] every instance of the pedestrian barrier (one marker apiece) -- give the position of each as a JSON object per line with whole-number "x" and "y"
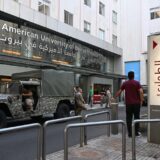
{"x": 94, "y": 114}
{"x": 143, "y": 126}
{"x": 12, "y": 140}
{"x": 114, "y": 116}
{"x": 51, "y": 122}
{"x": 133, "y": 133}
{"x": 95, "y": 124}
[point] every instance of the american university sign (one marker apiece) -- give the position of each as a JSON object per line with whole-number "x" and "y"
{"x": 22, "y": 41}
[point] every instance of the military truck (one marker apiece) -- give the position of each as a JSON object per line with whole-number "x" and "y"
{"x": 52, "y": 94}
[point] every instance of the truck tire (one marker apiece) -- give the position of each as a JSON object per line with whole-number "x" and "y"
{"x": 3, "y": 120}
{"x": 63, "y": 111}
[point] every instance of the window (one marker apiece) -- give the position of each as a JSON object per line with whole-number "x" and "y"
{"x": 103, "y": 67}
{"x": 101, "y": 9}
{"x": 102, "y": 34}
{"x": 155, "y": 15}
{"x": 87, "y": 3}
{"x": 114, "y": 17}
{"x": 110, "y": 67}
{"x": 114, "y": 40}
{"x": 18, "y": 1}
{"x": 43, "y": 8}
{"x": 68, "y": 18}
{"x": 87, "y": 27}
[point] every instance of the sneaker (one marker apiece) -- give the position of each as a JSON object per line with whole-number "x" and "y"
{"x": 130, "y": 136}
{"x": 138, "y": 134}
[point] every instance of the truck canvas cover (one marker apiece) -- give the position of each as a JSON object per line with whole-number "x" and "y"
{"x": 58, "y": 83}
{"x": 53, "y": 82}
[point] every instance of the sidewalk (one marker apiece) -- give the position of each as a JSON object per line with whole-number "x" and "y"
{"x": 110, "y": 148}
{"x": 98, "y": 106}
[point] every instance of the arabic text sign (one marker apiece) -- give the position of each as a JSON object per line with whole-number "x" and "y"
{"x": 154, "y": 69}
{"x": 31, "y": 43}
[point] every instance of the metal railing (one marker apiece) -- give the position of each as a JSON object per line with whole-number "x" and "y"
{"x": 57, "y": 121}
{"x": 95, "y": 124}
{"x": 94, "y": 114}
{"x": 133, "y": 133}
{"x": 26, "y": 127}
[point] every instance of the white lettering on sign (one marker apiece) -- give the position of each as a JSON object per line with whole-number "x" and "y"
{"x": 49, "y": 40}
{"x": 157, "y": 74}
{"x": 19, "y": 31}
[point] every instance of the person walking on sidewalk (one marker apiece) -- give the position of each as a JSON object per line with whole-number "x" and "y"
{"x": 133, "y": 99}
{"x": 108, "y": 97}
{"x": 90, "y": 101}
{"x": 79, "y": 101}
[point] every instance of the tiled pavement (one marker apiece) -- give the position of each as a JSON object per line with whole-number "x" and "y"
{"x": 110, "y": 148}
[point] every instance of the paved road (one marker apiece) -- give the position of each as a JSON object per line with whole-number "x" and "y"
{"x": 54, "y": 136}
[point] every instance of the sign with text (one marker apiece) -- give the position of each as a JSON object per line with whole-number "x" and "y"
{"x": 154, "y": 69}
{"x": 25, "y": 42}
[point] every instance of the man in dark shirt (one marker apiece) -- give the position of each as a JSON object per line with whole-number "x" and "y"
{"x": 133, "y": 99}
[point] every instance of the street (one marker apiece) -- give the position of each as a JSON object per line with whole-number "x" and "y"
{"x": 93, "y": 132}
{"x": 55, "y": 133}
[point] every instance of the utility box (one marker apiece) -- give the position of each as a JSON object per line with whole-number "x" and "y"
{"x": 154, "y": 87}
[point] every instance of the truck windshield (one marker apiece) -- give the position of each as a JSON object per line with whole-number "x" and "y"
{"x": 9, "y": 88}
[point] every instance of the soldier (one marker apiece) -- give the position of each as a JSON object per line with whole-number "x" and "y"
{"x": 79, "y": 101}
{"x": 28, "y": 99}
{"x": 108, "y": 98}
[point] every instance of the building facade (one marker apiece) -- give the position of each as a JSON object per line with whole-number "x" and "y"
{"x": 141, "y": 19}
{"x": 83, "y": 37}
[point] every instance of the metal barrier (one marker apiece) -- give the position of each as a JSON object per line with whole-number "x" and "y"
{"x": 57, "y": 121}
{"x": 95, "y": 124}
{"x": 143, "y": 126}
{"x": 19, "y": 129}
{"x": 133, "y": 133}
{"x": 94, "y": 114}
{"x": 114, "y": 116}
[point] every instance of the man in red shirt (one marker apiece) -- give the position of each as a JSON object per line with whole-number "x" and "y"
{"x": 133, "y": 99}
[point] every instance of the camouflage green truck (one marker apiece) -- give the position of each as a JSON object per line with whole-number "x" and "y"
{"x": 52, "y": 94}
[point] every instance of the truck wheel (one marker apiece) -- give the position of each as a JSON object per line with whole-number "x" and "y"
{"x": 63, "y": 111}
{"x": 3, "y": 120}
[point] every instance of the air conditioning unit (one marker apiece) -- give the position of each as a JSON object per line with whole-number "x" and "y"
{"x": 47, "y": 1}
{"x": 41, "y": 2}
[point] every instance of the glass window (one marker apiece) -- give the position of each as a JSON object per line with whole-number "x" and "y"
{"x": 111, "y": 64}
{"x": 87, "y": 27}
{"x": 87, "y": 3}
{"x": 43, "y": 8}
{"x": 101, "y": 9}
{"x": 103, "y": 67}
{"x": 114, "y": 17}
{"x": 68, "y": 18}
{"x": 102, "y": 34}
{"x": 155, "y": 15}
{"x": 114, "y": 40}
